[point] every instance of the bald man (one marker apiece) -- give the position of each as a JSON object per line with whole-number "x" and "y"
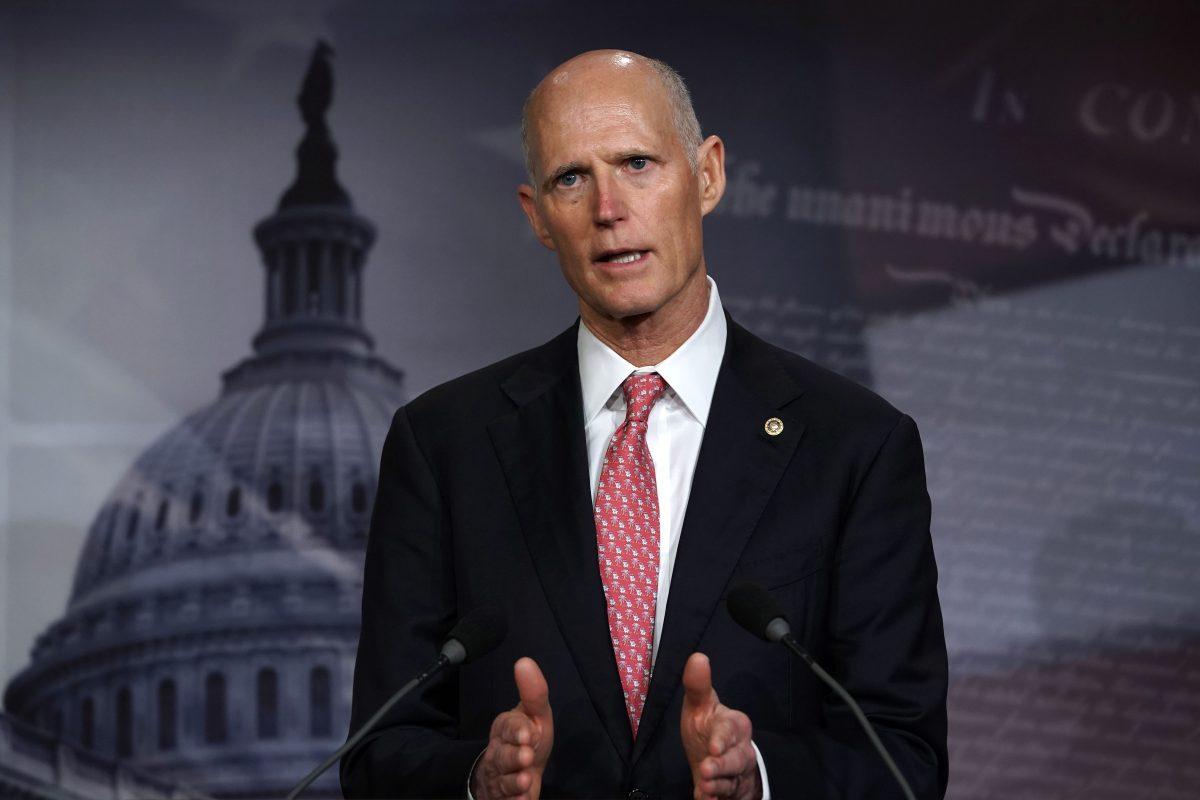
{"x": 605, "y": 490}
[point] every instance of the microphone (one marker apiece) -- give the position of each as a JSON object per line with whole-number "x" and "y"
{"x": 753, "y": 607}
{"x": 475, "y": 635}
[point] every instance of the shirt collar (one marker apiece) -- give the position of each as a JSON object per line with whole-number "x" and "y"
{"x": 690, "y": 371}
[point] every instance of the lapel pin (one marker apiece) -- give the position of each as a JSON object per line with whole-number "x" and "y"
{"x": 773, "y": 426}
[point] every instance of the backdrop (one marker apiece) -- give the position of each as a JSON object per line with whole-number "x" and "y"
{"x": 986, "y": 212}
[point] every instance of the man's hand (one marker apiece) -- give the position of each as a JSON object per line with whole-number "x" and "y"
{"x": 519, "y": 743}
{"x": 716, "y": 739}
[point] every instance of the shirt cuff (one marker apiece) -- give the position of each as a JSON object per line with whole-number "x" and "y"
{"x": 762, "y": 772}
{"x": 476, "y": 763}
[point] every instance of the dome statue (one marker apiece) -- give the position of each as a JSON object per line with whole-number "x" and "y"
{"x": 211, "y": 630}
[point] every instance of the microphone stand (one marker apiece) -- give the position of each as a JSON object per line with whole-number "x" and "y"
{"x": 438, "y": 665}
{"x": 795, "y": 647}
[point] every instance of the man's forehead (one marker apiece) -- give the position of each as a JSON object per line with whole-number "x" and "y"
{"x": 603, "y": 100}
{"x": 604, "y": 126}
{"x": 596, "y": 101}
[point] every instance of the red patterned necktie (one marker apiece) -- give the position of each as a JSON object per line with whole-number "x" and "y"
{"x": 626, "y": 511}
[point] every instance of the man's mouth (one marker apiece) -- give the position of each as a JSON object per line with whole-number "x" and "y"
{"x": 622, "y": 256}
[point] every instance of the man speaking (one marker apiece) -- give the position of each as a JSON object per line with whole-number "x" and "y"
{"x": 606, "y": 489}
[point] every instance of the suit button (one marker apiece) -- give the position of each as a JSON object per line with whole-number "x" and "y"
{"x": 637, "y": 794}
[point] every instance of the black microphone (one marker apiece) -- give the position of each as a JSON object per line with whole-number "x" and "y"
{"x": 476, "y": 634}
{"x": 753, "y": 607}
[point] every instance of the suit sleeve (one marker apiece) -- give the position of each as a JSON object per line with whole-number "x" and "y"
{"x": 408, "y": 607}
{"x": 887, "y": 647}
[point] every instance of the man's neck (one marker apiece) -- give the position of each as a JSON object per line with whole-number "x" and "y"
{"x": 648, "y": 339}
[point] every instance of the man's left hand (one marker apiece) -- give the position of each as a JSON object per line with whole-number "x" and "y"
{"x": 716, "y": 739}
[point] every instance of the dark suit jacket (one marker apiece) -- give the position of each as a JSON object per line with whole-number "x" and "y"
{"x": 484, "y": 499}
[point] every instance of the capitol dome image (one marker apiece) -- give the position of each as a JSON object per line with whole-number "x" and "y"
{"x": 210, "y": 635}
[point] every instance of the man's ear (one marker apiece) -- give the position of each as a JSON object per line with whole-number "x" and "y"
{"x": 710, "y": 171}
{"x": 529, "y": 205}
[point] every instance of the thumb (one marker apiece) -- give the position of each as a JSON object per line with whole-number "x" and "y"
{"x": 532, "y": 688}
{"x": 697, "y": 682}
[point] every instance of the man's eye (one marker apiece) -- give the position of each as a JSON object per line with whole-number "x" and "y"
{"x": 568, "y": 179}
{"x": 638, "y": 162}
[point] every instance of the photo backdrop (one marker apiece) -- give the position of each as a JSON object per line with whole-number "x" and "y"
{"x": 986, "y": 212}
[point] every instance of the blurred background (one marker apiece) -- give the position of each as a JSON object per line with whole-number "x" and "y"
{"x": 986, "y": 212}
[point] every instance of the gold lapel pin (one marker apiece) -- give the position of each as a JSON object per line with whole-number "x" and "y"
{"x": 773, "y": 426}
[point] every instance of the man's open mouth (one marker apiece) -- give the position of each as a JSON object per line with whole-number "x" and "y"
{"x": 622, "y": 256}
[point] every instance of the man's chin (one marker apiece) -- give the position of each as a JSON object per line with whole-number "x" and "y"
{"x": 630, "y": 311}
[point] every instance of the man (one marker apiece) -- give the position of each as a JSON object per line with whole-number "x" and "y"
{"x": 606, "y": 489}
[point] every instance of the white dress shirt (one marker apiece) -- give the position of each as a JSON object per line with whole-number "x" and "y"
{"x": 674, "y": 430}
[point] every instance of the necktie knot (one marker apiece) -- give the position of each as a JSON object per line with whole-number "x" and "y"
{"x": 641, "y": 393}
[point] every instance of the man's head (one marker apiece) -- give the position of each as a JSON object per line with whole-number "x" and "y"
{"x": 619, "y": 173}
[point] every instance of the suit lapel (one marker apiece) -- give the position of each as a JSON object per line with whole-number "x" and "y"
{"x": 543, "y": 452}
{"x": 737, "y": 470}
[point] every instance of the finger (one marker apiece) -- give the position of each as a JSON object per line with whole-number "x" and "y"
{"x": 735, "y": 761}
{"x": 515, "y": 729}
{"x": 697, "y": 682}
{"x": 511, "y": 758}
{"x": 726, "y": 731}
{"x": 718, "y": 787}
{"x": 515, "y": 783}
{"x": 505, "y": 725}
{"x": 532, "y": 688}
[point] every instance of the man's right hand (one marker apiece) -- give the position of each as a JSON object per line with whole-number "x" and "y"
{"x": 519, "y": 743}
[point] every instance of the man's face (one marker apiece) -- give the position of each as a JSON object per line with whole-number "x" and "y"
{"x": 618, "y": 199}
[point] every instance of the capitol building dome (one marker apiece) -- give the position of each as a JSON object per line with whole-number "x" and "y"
{"x": 211, "y": 631}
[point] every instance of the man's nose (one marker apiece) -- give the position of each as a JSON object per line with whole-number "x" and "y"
{"x": 608, "y": 200}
